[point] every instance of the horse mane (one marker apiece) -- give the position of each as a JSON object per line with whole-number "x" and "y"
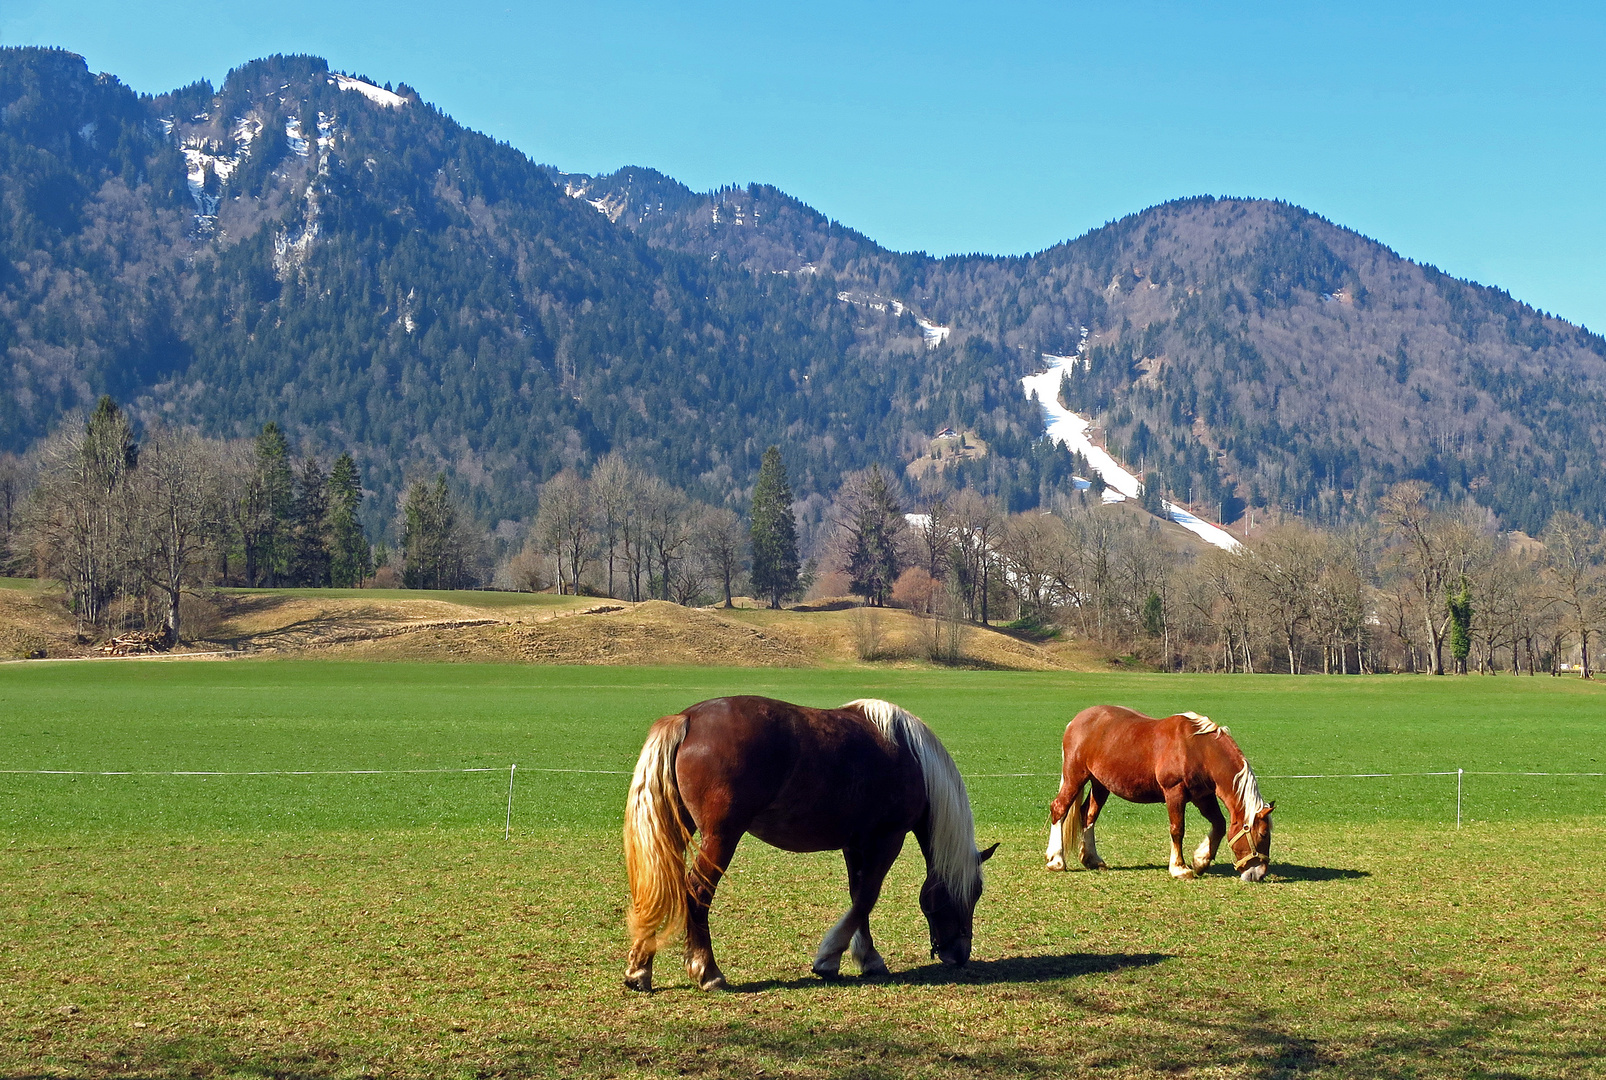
{"x": 1248, "y": 791}
{"x": 1203, "y": 725}
{"x": 1244, "y": 783}
{"x": 952, "y": 857}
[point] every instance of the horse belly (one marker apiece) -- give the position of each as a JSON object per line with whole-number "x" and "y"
{"x": 798, "y": 836}
{"x": 1132, "y": 787}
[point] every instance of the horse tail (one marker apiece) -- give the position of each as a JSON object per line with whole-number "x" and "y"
{"x": 656, "y": 837}
{"x": 1076, "y": 820}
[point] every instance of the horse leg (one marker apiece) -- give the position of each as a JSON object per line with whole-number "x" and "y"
{"x": 1097, "y": 794}
{"x": 867, "y": 869}
{"x": 1059, "y": 815}
{"x": 1176, "y": 806}
{"x": 709, "y": 866}
{"x": 1205, "y": 854}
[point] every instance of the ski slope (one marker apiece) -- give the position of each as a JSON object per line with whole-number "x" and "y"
{"x": 1071, "y": 431}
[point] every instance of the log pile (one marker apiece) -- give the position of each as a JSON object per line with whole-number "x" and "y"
{"x": 136, "y": 643}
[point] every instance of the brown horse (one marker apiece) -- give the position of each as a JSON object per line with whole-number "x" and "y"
{"x": 858, "y": 778}
{"x": 1175, "y": 760}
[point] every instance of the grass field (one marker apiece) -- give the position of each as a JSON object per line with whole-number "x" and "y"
{"x": 353, "y": 925}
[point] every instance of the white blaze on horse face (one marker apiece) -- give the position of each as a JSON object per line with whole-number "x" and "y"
{"x": 1254, "y": 873}
{"x": 1056, "y": 845}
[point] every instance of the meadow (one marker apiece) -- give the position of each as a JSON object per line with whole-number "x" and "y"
{"x": 337, "y": 924}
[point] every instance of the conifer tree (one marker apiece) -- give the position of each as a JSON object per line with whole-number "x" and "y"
{"x": 429, "y": 555}
{"x": 773, "y": 532}
{"x": 266, "y": 537}
{"x": 874, "y": 524}
{"x": 351, "y": 560}
{"x": 309, "y": 539}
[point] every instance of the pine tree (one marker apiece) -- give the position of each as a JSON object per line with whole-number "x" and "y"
{"x": 429, "y": 555}
{"x": 874, "y": 525}
{"x": 773, "y": 532}
{"x": 1150, "y": 496}
{"x": 267, "y": 538}
{"x": 309, "y": 537}
{"x": 351, "y": 560}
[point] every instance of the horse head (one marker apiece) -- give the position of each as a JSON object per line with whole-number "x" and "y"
{"x": 950, "y": 918}
{"x": 1251, "y": 845}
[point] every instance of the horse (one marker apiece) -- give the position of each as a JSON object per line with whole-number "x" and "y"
{"x": 1176, "y": 760}
{"x": 859, "y": 778}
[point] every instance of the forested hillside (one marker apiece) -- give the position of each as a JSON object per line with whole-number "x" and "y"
{"x": 341, "y": 258}
{"x": 1241, "y": 351}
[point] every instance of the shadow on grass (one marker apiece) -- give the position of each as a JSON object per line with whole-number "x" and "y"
{"x": 1011, "y": 969}
{"x": 1280, "y": 872}
{"x": 1290, "y": 872}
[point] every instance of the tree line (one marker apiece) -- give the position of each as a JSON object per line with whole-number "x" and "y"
{"x": 128, "y": 527}
{"x": 1425, "y": 586}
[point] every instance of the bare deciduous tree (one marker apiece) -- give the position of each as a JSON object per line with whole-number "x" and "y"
{"x": 1573, "y": 556}
{"x": 178, "y": 513}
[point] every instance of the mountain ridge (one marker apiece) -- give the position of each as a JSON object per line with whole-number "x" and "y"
{"x": 358, "y": 266}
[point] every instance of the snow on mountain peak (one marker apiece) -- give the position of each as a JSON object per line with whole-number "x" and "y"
{"x": 376, "y": 94}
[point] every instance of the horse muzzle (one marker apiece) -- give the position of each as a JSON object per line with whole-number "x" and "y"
{"x": 1254, "y": 873}
{"x": 956, "y": 954}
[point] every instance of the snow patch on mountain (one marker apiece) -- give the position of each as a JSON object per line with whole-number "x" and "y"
{"x": 208, "y": 165}
{"x": 1071, "y": 431}
{"x": 376, "y": 94}
{"x": 293, "y": 137}
{"x": 933, "y": 334}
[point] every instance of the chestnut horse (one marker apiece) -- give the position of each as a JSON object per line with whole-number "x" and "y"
{"x": 858, "y": 778}
{"x": 1175, "y": 760}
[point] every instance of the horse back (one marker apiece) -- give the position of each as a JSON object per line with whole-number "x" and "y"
{"x": 1136, "y": 756}
{"x": 799, "y": 778}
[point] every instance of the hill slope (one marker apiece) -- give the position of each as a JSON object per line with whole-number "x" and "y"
{"x": 304, "y": 246}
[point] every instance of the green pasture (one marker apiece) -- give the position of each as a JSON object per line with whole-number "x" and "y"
{"x": 335, "y": 925}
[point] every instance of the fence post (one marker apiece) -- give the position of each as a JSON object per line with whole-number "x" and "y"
{"x": 1458, "y": 774}
{"x": 507, "y": 829}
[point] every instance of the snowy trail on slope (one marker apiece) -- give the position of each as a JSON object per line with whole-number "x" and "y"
{"x": 1070, "y": 430}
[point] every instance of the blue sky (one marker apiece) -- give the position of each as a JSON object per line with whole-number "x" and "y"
{"x": 1471, "y": 136}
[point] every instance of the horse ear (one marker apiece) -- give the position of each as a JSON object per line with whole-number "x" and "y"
{"x": 1267, "y": 809}
{"x": 983, "y": 856}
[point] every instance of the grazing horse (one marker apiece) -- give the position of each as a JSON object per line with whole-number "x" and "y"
{"x": 1175, "y": 760}
{"x": 858, "y": 778}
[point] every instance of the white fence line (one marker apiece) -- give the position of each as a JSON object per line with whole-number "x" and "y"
{"x": 507, "y": 827}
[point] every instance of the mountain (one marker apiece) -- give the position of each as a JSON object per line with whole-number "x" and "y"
{"x": 305, "y": 246}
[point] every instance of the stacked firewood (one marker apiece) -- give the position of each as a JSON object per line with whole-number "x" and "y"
{"x": 139, "y": 641}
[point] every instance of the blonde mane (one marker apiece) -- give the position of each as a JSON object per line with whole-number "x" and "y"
{"x": 1244, "y": 784}
{"x": 953, "y": 829}
{"x": 1248, "y": 791}
{"x": 1203, "y": 725}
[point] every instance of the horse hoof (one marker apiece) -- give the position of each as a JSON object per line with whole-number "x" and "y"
{"x": 715, "y": 982}
{"x": 877, "y": 970}
{"x": 1183, "y": 875}
{"x": 640, "y": 983}
{"x": 829, "y": 972}
{"x": 1100, "y": 865}
{"x": 1056, "y": 864}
